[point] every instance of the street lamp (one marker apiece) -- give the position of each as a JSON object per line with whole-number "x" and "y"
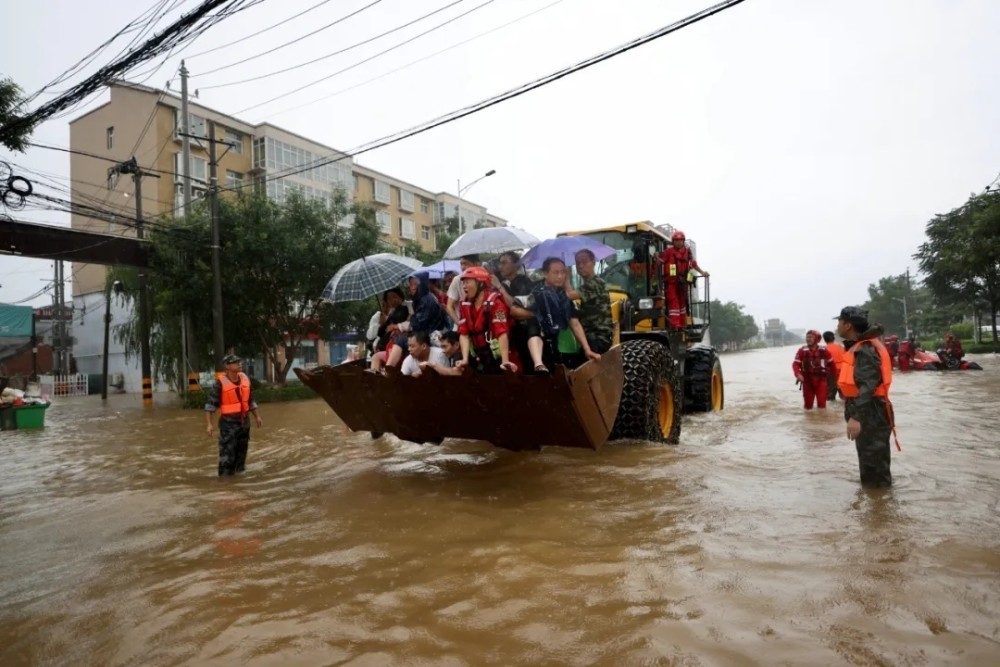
{"x": 459, "y": 189}
{"x": 906, "y": 318}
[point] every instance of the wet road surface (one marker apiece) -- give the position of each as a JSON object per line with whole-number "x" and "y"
{"x": 750, "y": 543}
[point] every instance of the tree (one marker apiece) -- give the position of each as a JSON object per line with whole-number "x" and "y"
{"x": 276, "y": 260}
{"x": 11, "y": 114}
{"x": 961, "y": 257}
{"x": 730, "y": 325}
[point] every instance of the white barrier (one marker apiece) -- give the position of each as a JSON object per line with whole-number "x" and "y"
{"x": 64, "y": 385}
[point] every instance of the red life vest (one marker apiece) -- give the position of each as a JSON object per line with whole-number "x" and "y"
{"x": 479, "y": 325}
{"x": 233, "y": 402}
{"x": 813, "y": 361}
{"x": 677, "y": 264}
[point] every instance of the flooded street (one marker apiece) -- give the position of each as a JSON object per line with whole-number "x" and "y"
{"x": 749, "y": 543}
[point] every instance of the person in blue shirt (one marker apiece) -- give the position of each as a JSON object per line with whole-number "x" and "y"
{"x": 556, "y": 318}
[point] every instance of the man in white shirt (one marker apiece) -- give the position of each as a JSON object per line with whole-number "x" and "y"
{"x": 419, "y": 344}
{"x": 456, "y": 294}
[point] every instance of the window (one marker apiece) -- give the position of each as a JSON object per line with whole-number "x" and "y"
{"x": 196, "y": 125}
{"x": 111, "y": 137}
{"x": 382, "y": 193}
{"x": 425, "y": 232}
{"x": 384, "y": 221}
{"x": 424, "y": 206}
{"x": 196, "y": 194}
{"x": 234, "y": 180}
{"x": 406, "y": 201}
{"x": 199, "y": 168}
{"x": 407, "y": 229}
{"x": 235, "y": 141}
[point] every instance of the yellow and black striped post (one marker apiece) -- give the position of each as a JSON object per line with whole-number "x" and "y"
{"x": 147, "y": 392}
{"x": 193, "y": 382}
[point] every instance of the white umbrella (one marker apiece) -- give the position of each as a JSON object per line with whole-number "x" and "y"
{"x": 368, "y": 276}
{"x": 490, "y": 240}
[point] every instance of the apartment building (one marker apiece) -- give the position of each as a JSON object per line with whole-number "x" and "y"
{"x": 144, "y": 122}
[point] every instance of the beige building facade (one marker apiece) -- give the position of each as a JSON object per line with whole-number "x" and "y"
{"x": 144, "y": 122}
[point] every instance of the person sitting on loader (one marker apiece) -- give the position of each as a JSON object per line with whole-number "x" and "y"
{"x": 483, "y": 325}
{"x": 595, "y": 304}
{"x": 421, "y": 353}
{"x": 452, "y": 355}
{"x": 396, "y": 314}
{"x": 428, "y": 316}
{"x": 562, "y": 335}
{"x": 512, "y": 283}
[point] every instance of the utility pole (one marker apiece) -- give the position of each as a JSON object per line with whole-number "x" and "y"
{"x": 185, "y": 130}
{"x": 54, "y": 331}
{"x": 107, "y": 335}
{"x": 218, "y": 337}
{"x": 131, "y": 166}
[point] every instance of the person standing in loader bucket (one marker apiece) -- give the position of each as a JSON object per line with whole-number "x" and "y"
{"x": 865, "y": 378}
{"x": 678, "y": 267}
{"x": 483, "y": 325}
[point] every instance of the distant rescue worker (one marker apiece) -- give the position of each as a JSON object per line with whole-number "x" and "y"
{"x": 483, "y": 325}
{"x": 865, "y": 378}
{"x": 836, "y": 351}
{"x": 812, "y": 367}
{"x": 951, "y": 354}
{"x": 595, "y": 304}
{"x": 905, "y": 354}
{"x": 678, "y": 267}
{"x": 232, "y": 396}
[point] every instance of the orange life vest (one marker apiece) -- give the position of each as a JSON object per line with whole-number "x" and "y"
{"x": 231, "y": 402}
{"x": 836, "y": 351}
{"x": 846, "y": 379}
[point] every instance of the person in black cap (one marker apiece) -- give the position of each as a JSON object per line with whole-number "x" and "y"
{"x": 864, "y": 380}
{"x": 232, "y": 396}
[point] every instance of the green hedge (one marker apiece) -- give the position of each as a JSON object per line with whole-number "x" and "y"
{"x": 264, "y": 393}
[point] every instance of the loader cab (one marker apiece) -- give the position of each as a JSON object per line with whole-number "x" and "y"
{"x": 635, "y": 284}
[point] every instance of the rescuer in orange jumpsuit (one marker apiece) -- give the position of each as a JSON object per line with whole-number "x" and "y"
{"x": 812, "y": 366}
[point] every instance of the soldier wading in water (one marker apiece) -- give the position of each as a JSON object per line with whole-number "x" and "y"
{"x": 232, "y": 396}
{"x": 864, "y": 379}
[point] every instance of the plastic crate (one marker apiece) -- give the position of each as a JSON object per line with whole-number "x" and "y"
{"x": 30, "y": 416}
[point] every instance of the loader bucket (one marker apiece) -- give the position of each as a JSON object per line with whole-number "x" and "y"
{"x": 570, "y": 408}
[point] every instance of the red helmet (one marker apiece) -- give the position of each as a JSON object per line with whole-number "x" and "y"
{"x": 477, "y": 273}
{"x": 678, "y": 236}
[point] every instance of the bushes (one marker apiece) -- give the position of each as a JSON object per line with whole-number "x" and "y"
{"x": 963, "y": 330}
{"x": 264, "y": 393}
{"x": 970, "y": 346}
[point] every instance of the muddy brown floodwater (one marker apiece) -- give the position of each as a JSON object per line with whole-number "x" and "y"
{"x": 749, "y": 543}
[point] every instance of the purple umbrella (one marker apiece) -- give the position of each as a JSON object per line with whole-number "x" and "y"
{"x": 565, "y": 248}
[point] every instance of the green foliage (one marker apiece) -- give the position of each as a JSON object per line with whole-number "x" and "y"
{"x": 294, "y": 391}
{"x": 963, "y": 330}
{"x": 730, "y": 325}
{"x": 961, "y": 257}
{"x": 276, "y": 260}
{"x": 11, "y": 112}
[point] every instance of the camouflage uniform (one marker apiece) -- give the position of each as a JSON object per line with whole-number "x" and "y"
{"x": 874, "y": 453}
{"x": 595, "y": 314}
{"x": 234, "y": 433}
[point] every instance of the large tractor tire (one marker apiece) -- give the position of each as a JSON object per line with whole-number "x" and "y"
{"x": 703, "y": 386}
{"x": 651, "y": 402}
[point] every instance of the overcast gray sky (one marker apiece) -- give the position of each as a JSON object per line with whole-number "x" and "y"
{"x": 803, "y": 144}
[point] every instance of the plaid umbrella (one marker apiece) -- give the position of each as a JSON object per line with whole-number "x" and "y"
{"x": 490, "y": 240}
{"x": 368, "y": 276}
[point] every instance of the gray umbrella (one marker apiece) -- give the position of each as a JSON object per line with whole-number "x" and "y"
{"x": 490, "y": 240}
{"x": 368, "y": 276}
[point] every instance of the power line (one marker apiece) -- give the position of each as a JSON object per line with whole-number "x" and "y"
{"x": 520, "y": 90}
{"x": 262, "y": 31}
{"x": 370, "y": 58}
{"x": 323, "y": 57}
{"x": 188, "y": 27}
{"x": 497, "y": 99}
{"x": 417, "y": 61}
{"x": 91, "y": 155}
